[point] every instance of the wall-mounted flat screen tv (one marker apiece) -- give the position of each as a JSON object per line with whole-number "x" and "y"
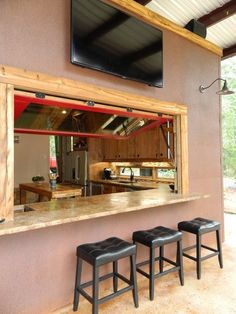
{"x": 108, "y": 40}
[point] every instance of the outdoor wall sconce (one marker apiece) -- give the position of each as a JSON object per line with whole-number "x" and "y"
{"x": 224, "y": 91}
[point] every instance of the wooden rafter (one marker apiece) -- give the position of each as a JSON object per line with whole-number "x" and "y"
{"x": 229, "y": 52}
{"x": 143, "y": 2}
{"x": 156, "y": 20}
{"x": 143, "y": 53}
{"x": 116, "y": 20}
{"x": 219, "y": 14}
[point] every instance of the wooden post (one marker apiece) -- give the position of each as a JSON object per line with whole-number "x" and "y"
{"x": 182, "y": 153}
{"x": 6, "y": 151}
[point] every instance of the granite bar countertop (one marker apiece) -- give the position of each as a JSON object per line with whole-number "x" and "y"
{"x": 63, "y": 211}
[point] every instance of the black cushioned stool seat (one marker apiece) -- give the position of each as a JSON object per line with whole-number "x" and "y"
{"x": 100, "y": 253}
{"x": 154, "y": 238}
{"x": 200, "y": 226}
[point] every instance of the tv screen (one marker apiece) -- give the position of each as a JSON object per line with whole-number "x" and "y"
{"x": 108, "y": 40}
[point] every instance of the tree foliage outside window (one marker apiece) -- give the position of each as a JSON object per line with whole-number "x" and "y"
{"x": 52, "y": 146}
{"x": 228, "y": 72}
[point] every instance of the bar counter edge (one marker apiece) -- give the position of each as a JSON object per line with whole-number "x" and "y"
{"x": 62, "y": 211}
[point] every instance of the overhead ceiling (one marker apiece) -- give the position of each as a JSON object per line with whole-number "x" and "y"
{"x": 219, "y": 16}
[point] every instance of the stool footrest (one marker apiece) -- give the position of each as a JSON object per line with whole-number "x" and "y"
{"x": 202, "y": 245}
{"x": 81, "y": 287}
{"x": 169, "y": 261}
{"x": 216, "y": 252}
{"x": 123, "y": 278}
{"x": 209, "y": 248}
{"x": 158, "y": 274}
{"x": 176, "y": 267}
{"x": 189, "y": 248}
{"x": 146, "y": 262}
{"x": 209, "y": 255}
{"x": 85, "y": 294}
{"x": 89, "y": 283}
{"x": 202, "y": 258}
{"x": 189, "y": 256}
{"x": 167, "y": 271}
{"x": 115, "y": 294}
{"x": 143, "y": 272}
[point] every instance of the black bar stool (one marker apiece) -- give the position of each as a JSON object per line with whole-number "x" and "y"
{"x": 200, "y": 226}
{"x": 100, "y": 253}
{"x": 154, "y": 238}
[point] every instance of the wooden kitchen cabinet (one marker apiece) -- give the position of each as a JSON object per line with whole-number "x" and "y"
{"x": 119, "y": 189}
{"x": 110, "y": 149}
{"x": 107, "y": 189}
{"x": 118, "y": 149}
{"x": 122, "y": 149}
{"x": 149, "y": 145}
{"x": 127, "y": 148}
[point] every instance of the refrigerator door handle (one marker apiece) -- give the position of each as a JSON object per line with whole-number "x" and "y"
{"x": 77, "y": 168}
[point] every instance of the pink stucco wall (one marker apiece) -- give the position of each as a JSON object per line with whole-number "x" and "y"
{"x": 37, "y": 267}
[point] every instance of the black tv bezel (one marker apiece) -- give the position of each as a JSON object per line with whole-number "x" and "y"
{"x": 87, "y": 66}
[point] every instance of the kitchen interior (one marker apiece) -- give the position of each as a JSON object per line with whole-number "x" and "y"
{"x": 92, "y": 147}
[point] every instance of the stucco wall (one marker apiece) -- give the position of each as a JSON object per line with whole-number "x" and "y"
{"x": 37, "y": 267}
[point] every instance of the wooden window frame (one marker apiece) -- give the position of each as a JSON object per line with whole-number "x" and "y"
{"x": 14, "y": 79}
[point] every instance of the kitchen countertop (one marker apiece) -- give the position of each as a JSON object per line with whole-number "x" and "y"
{"x": 142, "y": 185}
{"x": 61, "y": 211}
{"x": 44, "y": 189}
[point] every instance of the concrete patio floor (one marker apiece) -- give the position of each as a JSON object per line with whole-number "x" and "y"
{"x": 215, "y": 293}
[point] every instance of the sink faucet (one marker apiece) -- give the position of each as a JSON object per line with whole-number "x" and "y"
{"x": 131, "y": 173}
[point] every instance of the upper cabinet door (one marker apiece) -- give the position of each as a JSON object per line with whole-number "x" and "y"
{"x": 150, "y": 145}
{"x": 147, "y": 144}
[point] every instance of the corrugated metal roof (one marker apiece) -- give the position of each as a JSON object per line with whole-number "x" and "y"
{"x": 224, "y": 33}
{"x": 181, "y": 12}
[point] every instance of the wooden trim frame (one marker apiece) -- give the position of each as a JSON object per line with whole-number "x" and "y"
{"x": 7, "y": 151}
{"x": 144, "y": 14}
{"x": 20, "y": 79}
{"x": 62, "y": 87}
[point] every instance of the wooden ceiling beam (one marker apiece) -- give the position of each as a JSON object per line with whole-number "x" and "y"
{"x": 219, "y": 14}
{"x": 229, "y": 52}
{"x": 116, "y": 20}
{"x": 156, "y": 20}
{"x": 143, "y": 2}
{"x": 141, "y": 54}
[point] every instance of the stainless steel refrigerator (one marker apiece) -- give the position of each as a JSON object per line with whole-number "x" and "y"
{"x": 75, "y": 168}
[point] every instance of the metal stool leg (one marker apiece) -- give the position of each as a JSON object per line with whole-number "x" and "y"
{"x": 161, "y": 254}
{"x": 77, "y": 284}
{"x": 115, "y": 279}
{"x": 198, "y": 240}
{"x": 180, "y": 262}
{"x": 220, "y": 257}
{"x": 133, "y": 279}
{"x": 151, "y": 273}
{"x": 95, "y": 289}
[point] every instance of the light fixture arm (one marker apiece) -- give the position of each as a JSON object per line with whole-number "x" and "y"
{"x": 202, "y": 88}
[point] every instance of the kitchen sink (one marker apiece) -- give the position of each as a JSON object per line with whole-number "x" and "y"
{"x": 125, "y": 181}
